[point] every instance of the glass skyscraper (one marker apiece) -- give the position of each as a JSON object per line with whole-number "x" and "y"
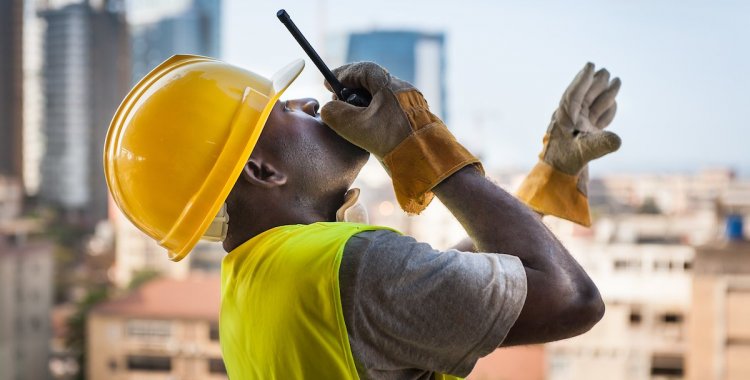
{"x": 86, "y": 72}
{"x": 162, "y": 28}
{"x": 416, "y": 57}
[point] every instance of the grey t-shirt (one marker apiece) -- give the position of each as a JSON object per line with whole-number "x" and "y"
{"x": 411, "y": 310}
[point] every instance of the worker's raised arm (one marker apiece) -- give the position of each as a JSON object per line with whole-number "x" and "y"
{"x": 422, "y": 156}
{"x": 557, "y": 186}
{"x": 561, "y": 300}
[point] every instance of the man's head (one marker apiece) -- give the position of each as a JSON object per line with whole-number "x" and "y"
{"x": 197, "y": 133}
{"x": 298, "y": 173}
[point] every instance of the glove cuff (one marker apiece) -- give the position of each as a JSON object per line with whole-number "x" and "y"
{"x": 423, "y": 160}
{"x": 552, "y": 192}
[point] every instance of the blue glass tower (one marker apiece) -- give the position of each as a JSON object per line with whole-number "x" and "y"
{"x": 160, "y": 29}
{"x": 416, "y": 57}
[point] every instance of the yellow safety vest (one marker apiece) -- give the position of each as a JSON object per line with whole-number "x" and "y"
{"x": 281, "y": 315}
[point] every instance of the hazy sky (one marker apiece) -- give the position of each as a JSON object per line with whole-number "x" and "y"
{"x": 685, "y": 67}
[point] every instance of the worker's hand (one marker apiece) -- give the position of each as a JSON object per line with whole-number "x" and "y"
{"x": 397, "y": 127}
{"x": 384, "y": 124}
{"x": 576, "y": 133}
{"x": 557, "y": 185}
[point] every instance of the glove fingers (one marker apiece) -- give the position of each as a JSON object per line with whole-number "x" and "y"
{"x": 367, "y": 75}
{"x": 606, "y": 117}
{"x": 595, "y": 145}
{"x": 598, "y": 85}
{"x": 605, "y": 100}
{"x": 574, "y": 95}
{"x": 341, "y": 117}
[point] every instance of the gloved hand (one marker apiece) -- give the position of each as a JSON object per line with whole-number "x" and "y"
{"x": 557, "y": 185}
{"x": 414, "y": 146}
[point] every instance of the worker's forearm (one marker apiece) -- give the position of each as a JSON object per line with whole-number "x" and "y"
{"x": 495, "y": 220}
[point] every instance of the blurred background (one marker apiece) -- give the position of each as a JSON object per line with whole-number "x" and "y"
{"x": 83, "y": 294}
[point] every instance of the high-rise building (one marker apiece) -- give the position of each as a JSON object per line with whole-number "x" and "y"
{"x": 11, "y": 88}
{"x": 416, "y": 57}
{"x": 162, "y": 28}
{"x": 33, "y": 98}
{"x": 86, "y": 75}
{"x": 26, "y": 272}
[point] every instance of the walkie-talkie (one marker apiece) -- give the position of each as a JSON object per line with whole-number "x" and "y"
{"x": 354, "y": 96}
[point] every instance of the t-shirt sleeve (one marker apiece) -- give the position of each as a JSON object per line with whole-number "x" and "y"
{"x": 409, "y": 306}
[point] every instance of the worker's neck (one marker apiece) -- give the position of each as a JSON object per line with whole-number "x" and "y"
{"x": 272, "y": 216}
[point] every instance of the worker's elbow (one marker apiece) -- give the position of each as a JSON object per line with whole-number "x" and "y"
{"x": 585, "y": 310}
{"x": 592, "y": 309}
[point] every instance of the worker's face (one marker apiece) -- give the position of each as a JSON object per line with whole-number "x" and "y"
{"x": 307, "y": 150}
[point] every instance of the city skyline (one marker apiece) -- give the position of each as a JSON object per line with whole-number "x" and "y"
{"x": 680, "y": 108}
{"x": 671, "y": 221}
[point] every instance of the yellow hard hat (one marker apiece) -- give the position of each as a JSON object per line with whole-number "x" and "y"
{"x": 180, "y": 139}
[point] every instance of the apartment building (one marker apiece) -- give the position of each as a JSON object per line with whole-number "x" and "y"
{"x": 166, "y": 329}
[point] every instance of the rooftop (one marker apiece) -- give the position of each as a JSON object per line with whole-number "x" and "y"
{"x": 196, "y": 297}
{"x": 723, "y": 257}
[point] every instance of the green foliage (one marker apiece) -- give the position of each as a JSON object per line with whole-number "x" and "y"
{"x": 76, "y": 338}
{"x": 649, "y": 206}
{"x": 141, "y": 277}
{"x": 64, "y": 259}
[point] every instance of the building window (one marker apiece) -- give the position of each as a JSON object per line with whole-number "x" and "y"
{"x": 149, "y": 328}
{"x": 213, "y": 332}
{"x": 35, "y": 324}
{"x": 667, "y": 365}
{"x": 216, "y": 366}
{"x": 150, "y": 363}
{"x": 635, "y": 317}
{"x": 671, "y": 318}
{"x": 627, "y": 264}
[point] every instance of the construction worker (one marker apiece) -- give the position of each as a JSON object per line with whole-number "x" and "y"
{"x": 307, "y": 296}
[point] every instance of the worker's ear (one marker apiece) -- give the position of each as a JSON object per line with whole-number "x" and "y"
{"x": 261, "y": 173}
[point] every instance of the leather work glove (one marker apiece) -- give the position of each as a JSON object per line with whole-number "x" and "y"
{"x": 414, "y": 146}
{"x": 557, "y": 185}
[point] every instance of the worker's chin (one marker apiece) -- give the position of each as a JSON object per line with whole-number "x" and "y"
{"x": 359, "y": 156}
{"x": 350, "y": 153}
{"x": 351, "y": 159}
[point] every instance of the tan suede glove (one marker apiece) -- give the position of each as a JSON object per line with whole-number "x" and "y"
{"x": 557, "y": 185}
{"x": 414, "y": 146}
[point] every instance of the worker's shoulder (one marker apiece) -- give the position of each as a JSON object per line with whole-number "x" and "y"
{"x": 379, "y": 236}
{"x": 382, "y": 240}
